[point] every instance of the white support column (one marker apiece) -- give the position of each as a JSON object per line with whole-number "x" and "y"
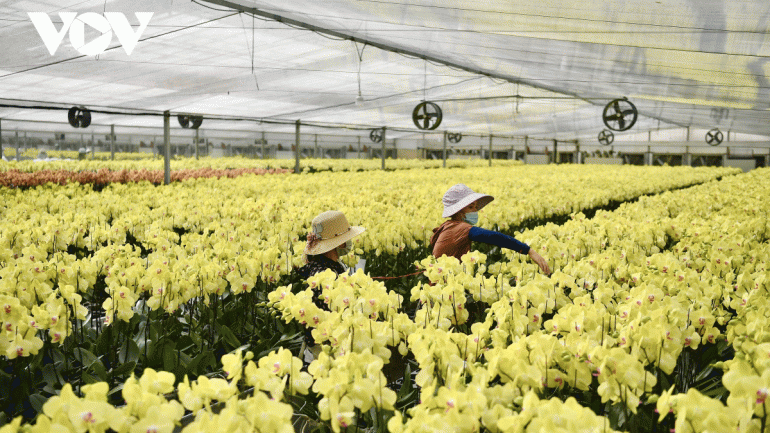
{"x": 112, "y": 142}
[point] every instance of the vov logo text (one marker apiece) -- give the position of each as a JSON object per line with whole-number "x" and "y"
{"x": 106, "y": 24}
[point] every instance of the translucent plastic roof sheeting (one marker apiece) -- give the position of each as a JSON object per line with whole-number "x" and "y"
{"x": 538, "y": 68}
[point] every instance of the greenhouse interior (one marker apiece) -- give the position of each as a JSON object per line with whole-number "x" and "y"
{"x": 384, "y": 216}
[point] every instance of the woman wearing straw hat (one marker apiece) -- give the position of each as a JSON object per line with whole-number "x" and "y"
{"x": 329, "y": 240}
{"x": 454, "y": 236}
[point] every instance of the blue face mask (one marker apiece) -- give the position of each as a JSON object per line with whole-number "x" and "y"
{"x": 472, "y": 218}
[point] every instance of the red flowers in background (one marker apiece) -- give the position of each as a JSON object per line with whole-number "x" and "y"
{"x": 16, "y": 179}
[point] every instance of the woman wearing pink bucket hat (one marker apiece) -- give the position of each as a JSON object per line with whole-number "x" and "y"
{"x": 454, "y": 236}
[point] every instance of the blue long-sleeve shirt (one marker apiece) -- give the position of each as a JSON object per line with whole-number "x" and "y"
{"x": 477, "y": 234}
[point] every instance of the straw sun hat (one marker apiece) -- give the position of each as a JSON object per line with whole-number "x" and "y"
{"x": 330, "y": 230}
{"x": 459, "y": 196}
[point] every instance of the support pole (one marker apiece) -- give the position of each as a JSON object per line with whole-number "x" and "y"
{"x": 490, "y": 150}
{"x": 112, "y": 142}
{"x": 1, "y": 139}
{"x": 358, "y": 156}
{"x": 526, "y": 149}
{"x": 166, "y": 147}
{"x": 383, "y": 147}
{"x": 578, "y": 156}
{"x": 315, "y": 147}
{"x": 196, "y": 144}
{"x": 18, "y": 151}
{"x": 296, "y": 147}
{"x": 443, "y": 154}
{"x": 264, "y": 142}
{"x": 555, "y": 151}
{"x": 93, "y": 146}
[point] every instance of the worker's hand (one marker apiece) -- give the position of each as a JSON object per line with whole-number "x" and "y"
{"x": 537, "y": 258}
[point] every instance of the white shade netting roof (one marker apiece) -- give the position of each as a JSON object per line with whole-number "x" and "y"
{"x": 543, "y": 69}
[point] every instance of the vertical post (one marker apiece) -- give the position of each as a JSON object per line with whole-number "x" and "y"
{"x": 443, "y": 154}
{"x": 578, "y": 156}
{"x": 688, "y": 133}
{"x": 263, "y": 145}
{"x": 196, "y": 144}
{"x": 649, "y": 155}
{"x": 18, "y": 151}
{"x": 93, "y": 146}
{"x": 395, "y": 149}
{"x": 315, "y": 147}
{"x": 556, "y": 158}
{"x": 526, "y": 149}
{"x": 296, "y": 147}
{"x": 166, "y": 147}
{"x": 112, "y": 142}
{"x": 687, "y": 156}
{"x": 359, "y": 147}
{"x": 1, "y": 138}
{"x": 383, "y": 147}
{"x": 490, "y": 150}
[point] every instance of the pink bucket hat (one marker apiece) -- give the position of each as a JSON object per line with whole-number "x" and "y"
{"x": 459, "y": 196}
